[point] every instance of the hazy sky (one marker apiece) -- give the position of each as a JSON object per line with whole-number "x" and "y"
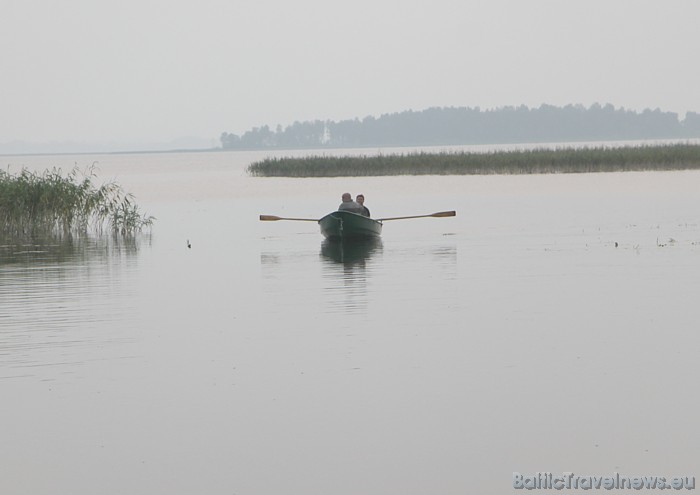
{"x": 156, "y": 70}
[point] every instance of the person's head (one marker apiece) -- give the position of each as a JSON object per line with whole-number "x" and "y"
{"x": 360, "y": 199}
{"x": 347, "y": 197}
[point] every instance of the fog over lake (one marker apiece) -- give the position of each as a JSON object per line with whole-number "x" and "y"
{"x": 145, "y": 75}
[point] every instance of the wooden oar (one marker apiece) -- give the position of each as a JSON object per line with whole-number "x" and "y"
{"x": 438, "y": 214}
{"x": 273, "y": 218}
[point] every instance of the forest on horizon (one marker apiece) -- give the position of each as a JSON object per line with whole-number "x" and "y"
{"x": 464, "y": 125}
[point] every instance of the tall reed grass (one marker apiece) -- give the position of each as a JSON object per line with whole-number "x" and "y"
{"x": 51, "y": 202}
{"x": 537, "y": 161}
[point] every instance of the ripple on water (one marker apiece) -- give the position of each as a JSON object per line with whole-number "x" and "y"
{"x": 63, "y": 300}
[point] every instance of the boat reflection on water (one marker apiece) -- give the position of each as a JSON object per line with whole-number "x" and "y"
{"x": 351, "y": 252}
{"x": 348, "y": 268}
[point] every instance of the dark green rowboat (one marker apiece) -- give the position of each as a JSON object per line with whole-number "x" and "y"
{"x": 345, "y": 225}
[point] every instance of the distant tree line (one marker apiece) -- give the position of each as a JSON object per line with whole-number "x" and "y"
{"x": 462, "y": 125}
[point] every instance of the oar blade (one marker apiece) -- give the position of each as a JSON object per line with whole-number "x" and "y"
{"x": 269, "y": 218}
{"x": 273, "y": 218}
{"x": 438, "y": 214}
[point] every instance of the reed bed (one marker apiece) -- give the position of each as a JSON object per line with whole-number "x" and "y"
{"x": 51, "y": 202}
{"x": 537, "y": 161}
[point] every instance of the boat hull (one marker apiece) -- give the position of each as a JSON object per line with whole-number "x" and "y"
{"x": 345, "y": 225}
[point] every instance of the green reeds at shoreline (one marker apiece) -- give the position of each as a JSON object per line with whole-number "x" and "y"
{"x": 51, "y": 202}
{"x": 536, "y": 161}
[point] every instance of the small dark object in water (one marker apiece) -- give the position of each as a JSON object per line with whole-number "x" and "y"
{"x": 615, "y": 243}
{"x": 188, "y": 244}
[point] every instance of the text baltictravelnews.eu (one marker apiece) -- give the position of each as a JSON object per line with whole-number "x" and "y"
{"x": 616, "y": 481}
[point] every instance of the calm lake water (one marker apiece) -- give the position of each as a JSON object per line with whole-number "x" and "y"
{"x": 551, "y": 326}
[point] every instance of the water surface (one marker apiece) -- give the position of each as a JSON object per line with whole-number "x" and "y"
{"x": 549, "y": 326}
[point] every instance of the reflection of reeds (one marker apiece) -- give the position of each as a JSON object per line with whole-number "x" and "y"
{"x": 57, "y": 249}
{"x": 51, "y": 202}
{"x": 537, "y": 161}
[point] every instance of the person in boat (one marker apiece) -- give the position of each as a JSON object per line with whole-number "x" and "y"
{"x": 360, "y": 200}
{"x": 349, "y": 205}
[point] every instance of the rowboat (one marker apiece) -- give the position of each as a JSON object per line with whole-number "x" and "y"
{"x": 345, "y": 225}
